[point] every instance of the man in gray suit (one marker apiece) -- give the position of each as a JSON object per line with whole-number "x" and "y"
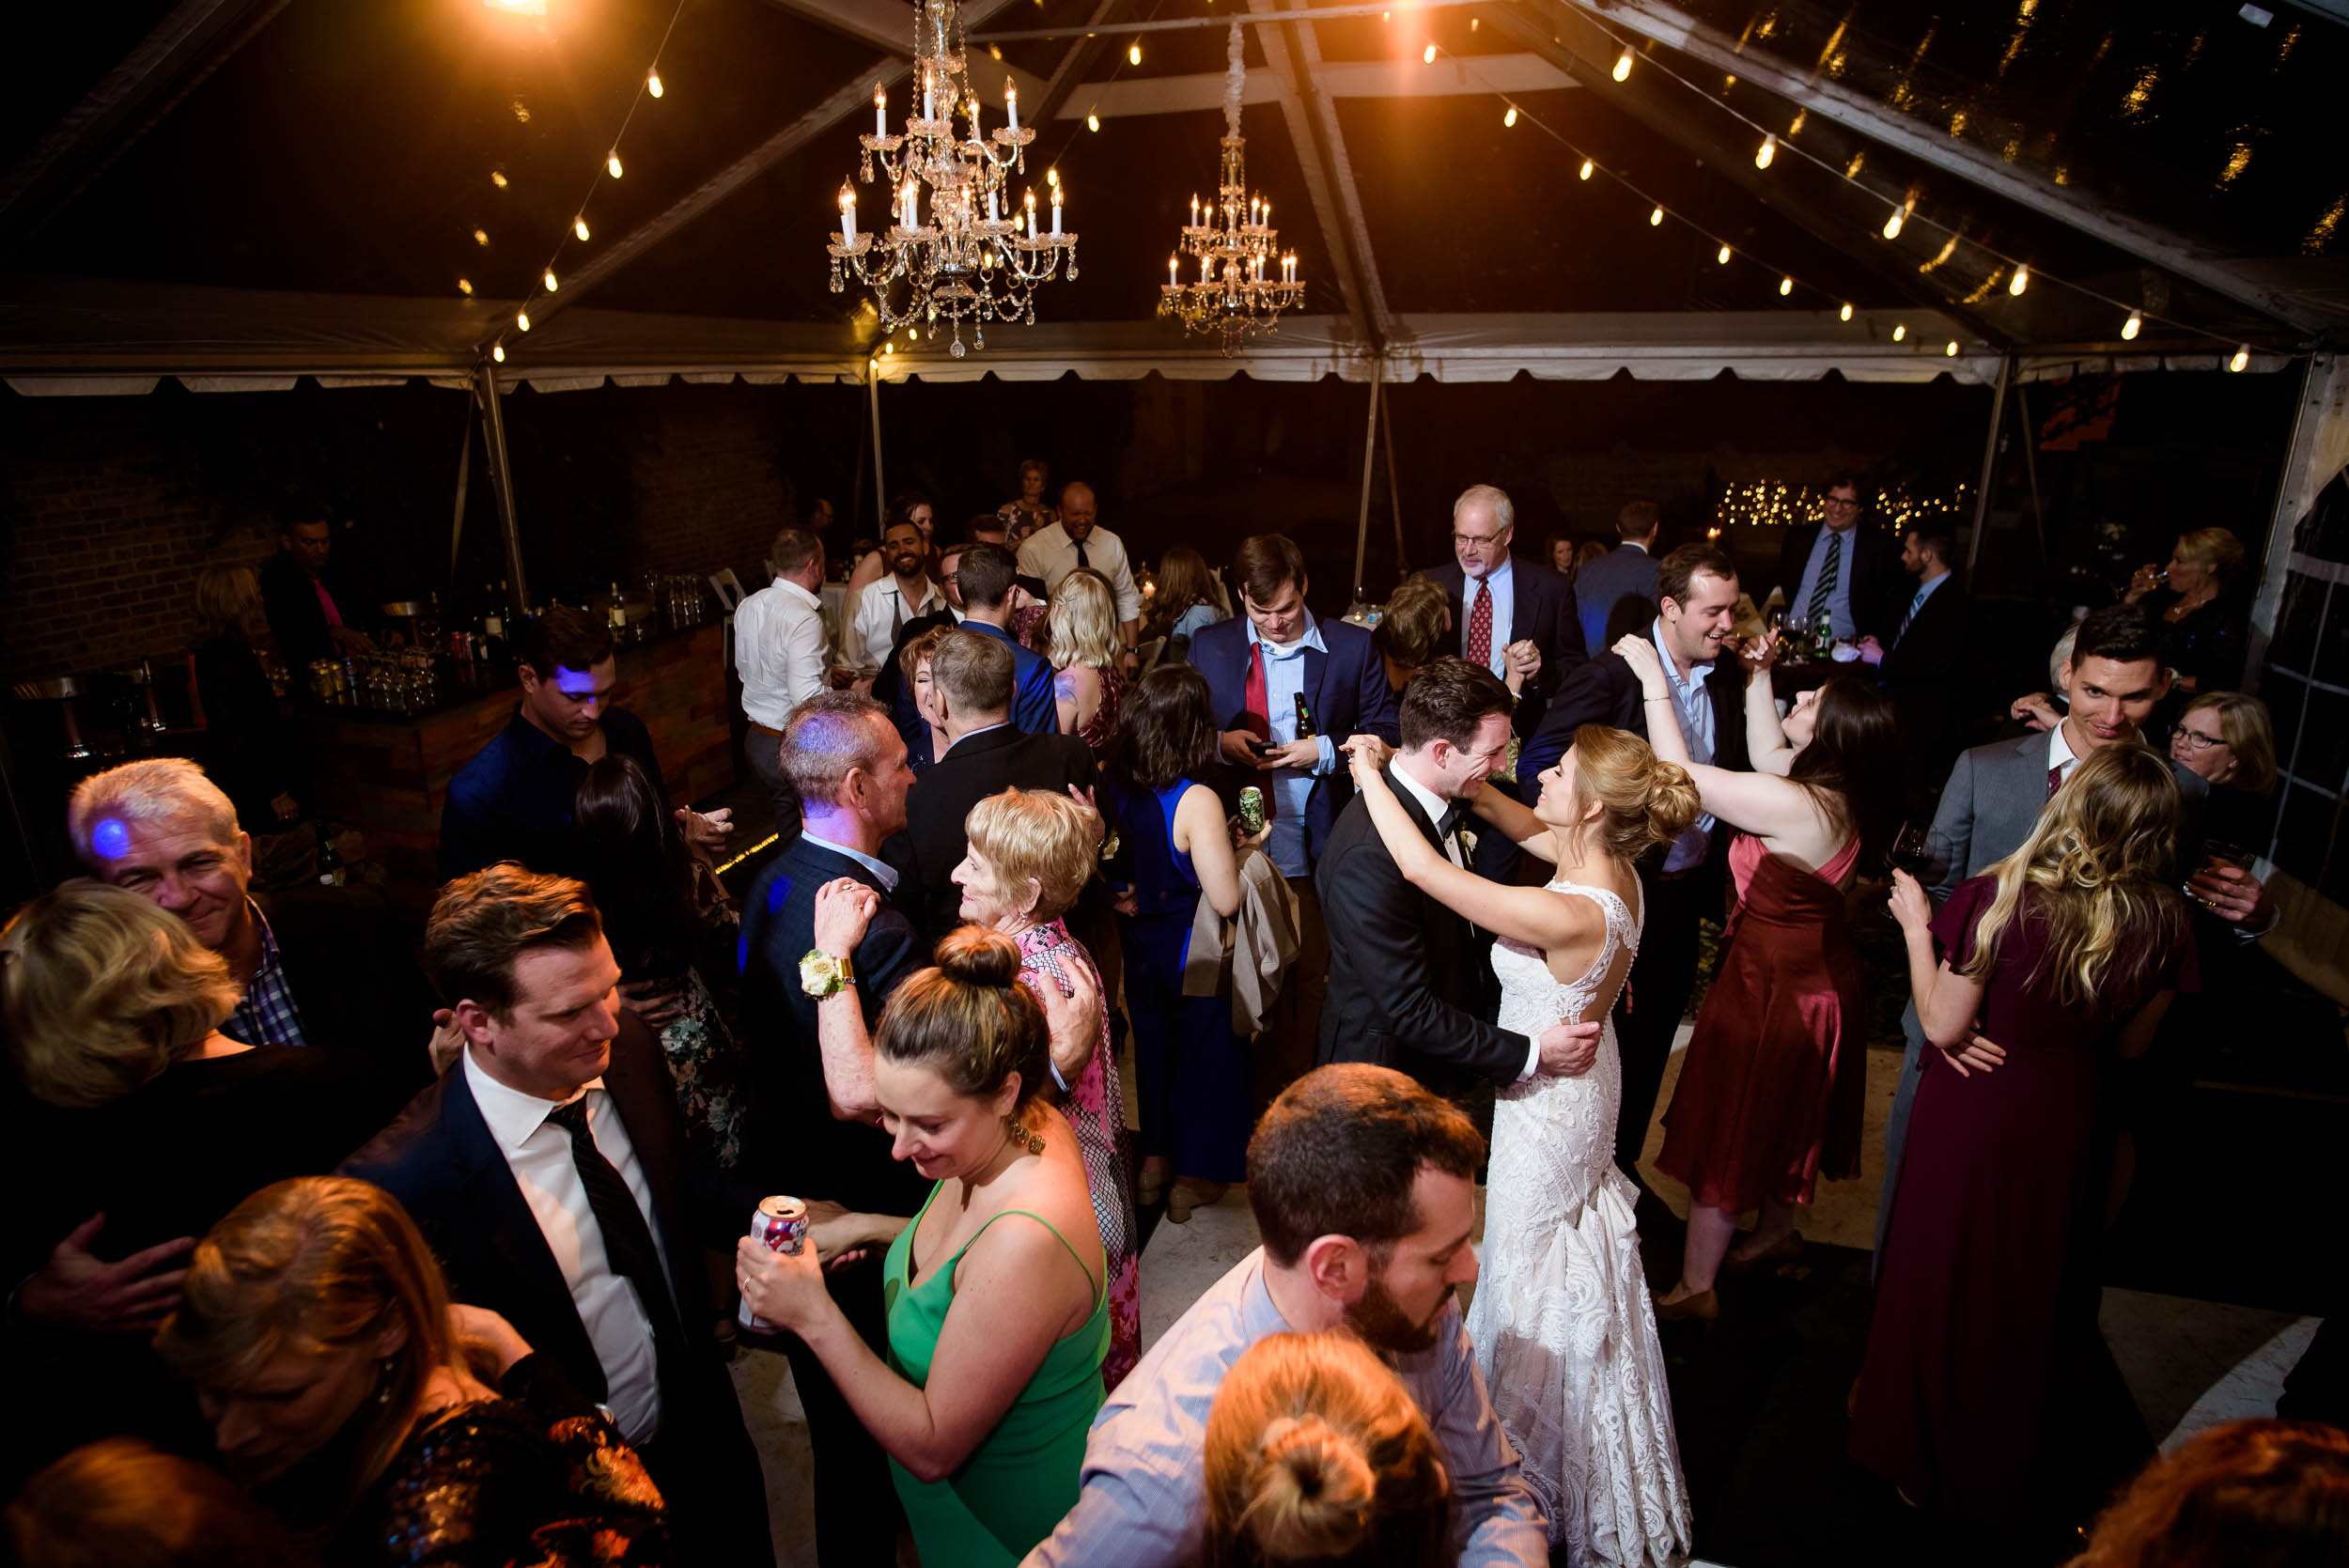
{"x": 1627, "y": 571}
{"x": 2113, "y": 680}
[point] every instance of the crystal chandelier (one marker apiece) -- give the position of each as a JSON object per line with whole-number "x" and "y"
{"x": 956, "y": 249}
{"x": 1235, "y": 241}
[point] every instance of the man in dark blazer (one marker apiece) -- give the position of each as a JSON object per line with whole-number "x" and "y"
{"x": 311, "y": 610}
{"x": 1409, "y": 985}
{"x": 1928, "y": 663}
{"x": 971, "y": 681}
{"x": 1626, "y": 572}
{"x": 1258, "y": 666}
{"x": 818, "y": 1133}
{"x": 1696, "y": 604}
{"x": 1860, "y": 567}
{"x": 1528, "y": 603}
{"x": 549, "y": 1170}
{"x": 988, "y": 578}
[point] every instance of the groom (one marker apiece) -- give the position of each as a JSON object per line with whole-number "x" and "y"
{"x": 1409, "y": 986}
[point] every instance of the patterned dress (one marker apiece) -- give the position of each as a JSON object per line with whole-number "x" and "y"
{"x": 1096, "y": 1108}
{"x": 1097, "y": 732}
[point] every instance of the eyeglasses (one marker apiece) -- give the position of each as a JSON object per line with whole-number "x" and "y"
{"x": 1842, "y": 501}
{"x": 2197, "y": 741}
{"x": 1478, "y": 539}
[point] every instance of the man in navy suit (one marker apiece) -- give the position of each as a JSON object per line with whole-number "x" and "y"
{"x": 1928, "y": 663}
{"x": 1626, "y": 572}
{"x": 1842, "y": 569}
{"x": 550, "y": 1171}
{"x": 1258, "y": 666}
{"x": 988, "y": 578}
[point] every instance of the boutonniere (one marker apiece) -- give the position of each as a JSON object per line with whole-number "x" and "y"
{"x": 1467, "y": 842}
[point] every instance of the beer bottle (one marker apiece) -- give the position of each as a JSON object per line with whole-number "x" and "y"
{"x": 1305, "y": 730}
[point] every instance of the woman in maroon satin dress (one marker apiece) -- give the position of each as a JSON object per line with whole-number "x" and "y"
{"x": 2067, "y": 953}
{"x": 1770, "y": 1092}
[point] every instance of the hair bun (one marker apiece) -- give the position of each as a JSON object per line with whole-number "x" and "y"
{"x": 1313, "y": 1491}
{"x": 973, "y": 955}
{"x": 1673, "y": 801}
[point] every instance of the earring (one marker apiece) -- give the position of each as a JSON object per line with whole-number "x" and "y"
{"x": 384, "y": 1380}
{"x": 1018, "y": 1129}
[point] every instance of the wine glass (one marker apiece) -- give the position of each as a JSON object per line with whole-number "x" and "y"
{"x": 1921, "y": 852}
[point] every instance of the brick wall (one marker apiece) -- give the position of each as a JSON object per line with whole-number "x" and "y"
{"x": 708, "y": 492}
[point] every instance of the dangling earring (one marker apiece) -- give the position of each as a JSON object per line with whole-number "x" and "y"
{"x": 1018, "y": 1129}
{"x": 383, "y": 1370}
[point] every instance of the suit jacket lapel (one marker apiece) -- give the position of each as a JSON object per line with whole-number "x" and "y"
{"x": 1316, "y": 664}
{"x": 644, "y": 1108}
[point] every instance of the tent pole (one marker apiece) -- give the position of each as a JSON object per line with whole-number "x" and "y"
{"x": 2031, "y": 463}
{"x": 880, "y": 495}
{"x": 464, "y": 473}
{"x": 1370, "y": 462}
{"x": 1394, "y": 489}
{"x": 502, "y": 484}
{"x": 1990, "y": 466}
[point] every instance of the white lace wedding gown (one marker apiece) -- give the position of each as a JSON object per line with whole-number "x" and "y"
{"x": 1563, "y": 1329}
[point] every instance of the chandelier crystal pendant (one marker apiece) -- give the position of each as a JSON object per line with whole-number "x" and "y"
{"x": 956, "y": 248}
{"x": 1236, "y": 244}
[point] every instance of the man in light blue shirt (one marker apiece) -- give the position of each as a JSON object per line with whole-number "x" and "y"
{"x": 1692, "y": 705}
{"x": 1290, "y": 786}
{"x": 1363, "y": 1188}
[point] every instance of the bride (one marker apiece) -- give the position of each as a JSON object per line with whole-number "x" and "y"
{"x": 1562, "y": 1325}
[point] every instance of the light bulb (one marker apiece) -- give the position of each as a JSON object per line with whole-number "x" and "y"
{"x": 1583, "y": 173}
{"x": 1892, "y": 225}
{"x": 1950, "y": 352}
{"x": 549, "y": 280}
{"x": 1428, "y": 55}
{"x": 579, "y": 226}
{"x": 612, "y": 163}
{"x": 522, "y": 319}
{"x": 1093, "y": 122}
{"x": 465, "y": 286}
{"x": 2242, "y": 358}
{"x": 481, "y": 236}
{"x": 1510, "y": 118}
{"x": 1623, "y": 65}
{"x": 1900, "y": 332}
{"x": 1767, "y": 150}
{"x": 1846, "y": 313}
{"x": 497, "y": 178}
{"x": 2135, "y": 324}
{"x": 1133, "y": 53}
{"x": 652, "y": 82}
{"x": 1786, "y": 286}
{"x": 2021, "y": 280}
{"x": 497, "y": 353}
{"x": 1656, "y": 218}
{"x": 1723, "y": 256}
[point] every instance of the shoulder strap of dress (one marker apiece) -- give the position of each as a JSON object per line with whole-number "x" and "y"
{"x": 954, "y": 1262}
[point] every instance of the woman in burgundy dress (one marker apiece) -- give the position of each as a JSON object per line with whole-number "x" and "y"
{"x": 2067, "y": 953}
{"x": 1770, "y": 1092}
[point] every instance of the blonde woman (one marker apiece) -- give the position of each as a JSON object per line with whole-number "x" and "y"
{"x": 2227, "y": 739}
{"x": 1084, "y": 648}
{"x": 1316, "y": 1453}
{"x": 2067, "y": 953}
{"x": 346, "y": 1390}
{"x": 2204, "y": 616}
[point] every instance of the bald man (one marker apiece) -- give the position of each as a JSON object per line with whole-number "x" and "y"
{"x": 1079, "y": 541}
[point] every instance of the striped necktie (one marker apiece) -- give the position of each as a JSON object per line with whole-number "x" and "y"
{"x": 1914, "y": 605}
{"x": 1822, "y": 591}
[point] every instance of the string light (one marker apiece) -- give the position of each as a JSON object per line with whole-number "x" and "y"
{"x": 497, "y": 353}
{"x": 1133, "y": 53}
{"x": 2021, "y": 280}
{"x": 1950, "y": 352}
{"x": 1767, "y": 150}
{"x": 652, "y": 82}
{"x": 612, "y": 163}
{"x": 481, "y": 236}
{"x": 579, "y": 226}
{"x": 1847, "y": 314}
{"x": 2135, "y": 324}
{"x": 1585, "y": 172}
{"x": 464, "y": 286}
{"x": 522, "y": 319}
{"x": 1722, "y": 256}
{"x": 549, "y": 280}
{"x": 1622, "y": 66}
{"x": 1786, "y": 286}
{"x": 1892, "y": 225}
{"x": 1509, "y": 120}
{"x": 1428, "y": 55}
{"x": 1093, "y": 122}
{"x": 1775, "y": 503}
{"x": 1655, "y": 219}
{"x": 497, "y": 178}
{"x": 2242, "y": 358}
{"x": 1900, "y": 332}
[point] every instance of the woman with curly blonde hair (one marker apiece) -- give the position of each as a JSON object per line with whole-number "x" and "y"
{"x": 1083, "y": 646}
{"x": 342, "y": 1385}
{"x": 2030, "y": 981}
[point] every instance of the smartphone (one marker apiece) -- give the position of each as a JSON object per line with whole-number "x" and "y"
{"x": 1261, "y": 747}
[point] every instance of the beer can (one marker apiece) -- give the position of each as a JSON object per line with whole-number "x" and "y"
{"x": 780, "y": 1225}
{"x": 1252, "y": 809}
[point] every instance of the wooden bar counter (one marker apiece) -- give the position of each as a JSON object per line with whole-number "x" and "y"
{"x": 387, "y": 773}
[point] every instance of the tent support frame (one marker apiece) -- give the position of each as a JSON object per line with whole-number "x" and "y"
{"x": 1370, "y": 467}
{"x": 502, "y": 485}
{"x": 1990, "y": 466}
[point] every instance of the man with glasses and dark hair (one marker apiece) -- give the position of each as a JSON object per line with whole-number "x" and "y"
{"x": 1849, "y": 574}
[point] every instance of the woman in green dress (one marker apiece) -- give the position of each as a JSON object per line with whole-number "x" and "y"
{"x": 996, "y": 1330}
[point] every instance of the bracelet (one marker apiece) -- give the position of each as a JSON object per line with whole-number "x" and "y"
{"x": 1056, "y": 1077}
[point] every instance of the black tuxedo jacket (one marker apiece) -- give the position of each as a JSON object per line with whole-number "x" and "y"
{"x": 798, "y": 1146}
{"x": 1542, "y": 608}
{"x": 351, "y": 964}
{"x": 1929, "y": 673}
{"x": 1409, "y": 988}
{"x": 975, "y": 768}
{"x": 1880, "y": 585}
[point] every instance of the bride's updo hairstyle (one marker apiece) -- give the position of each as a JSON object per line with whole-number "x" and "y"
{"x": 968, "y": 1020}
{"x": 1648, "y": 800}
{"x": 1316, "y": 1455}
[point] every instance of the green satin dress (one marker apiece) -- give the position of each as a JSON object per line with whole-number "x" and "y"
{"x": 1022, "y": 1479}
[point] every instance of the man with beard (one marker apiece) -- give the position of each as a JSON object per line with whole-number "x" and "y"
{"x": 885, "y": 606}
{"x": 1363, "y": 1188}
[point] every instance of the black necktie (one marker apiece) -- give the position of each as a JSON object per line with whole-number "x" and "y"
{"x": 1080, "y": 558}
{"x": 627, "y": 1235}
{"x": 1449, "y": 823}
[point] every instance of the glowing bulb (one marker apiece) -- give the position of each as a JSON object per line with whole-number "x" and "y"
{"x": 1622, "y": 66}
{"x": 1656, "y": 218}
{"x": 2021, "y": 280}
{"x": 1093, "y": 122}
{"x": 465, "y": 286}
{"x": 1950, "y": 352}
{"x": 1428, "y": 55}
{"x": 1900, "y": 332}
{"x": 1786, "y": 286}
{"x": 1846, "y": 313}
{"x": 549, "y": 280}
{"x": 1510, "y": 118}
{"x": 522, "y": 319}
{"x": 2135, "y": 324}
{"x": 1584, "y": 172}
{"x": 1767, "y": 150}
{"x": 612, "y": 163}
{"x": 1722, "y": 256}
{"x": 1133, "y": 53}
{"x": 497, "y": 353}
{"x": 1892, "y": 225}
{"x": 652, "y": 82}
{"x": 2242, "y": 358}
{"x": 481, "y": 236}
{"x": 497, "y": 178}
{"x": 579, "y": 226}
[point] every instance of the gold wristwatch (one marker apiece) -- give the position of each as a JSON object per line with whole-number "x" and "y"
{"x": 821, "y": 974}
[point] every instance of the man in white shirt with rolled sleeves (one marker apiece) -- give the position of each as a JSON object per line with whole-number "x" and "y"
{"x": 1077, "y": 540}
{"x": 779, "y": 652}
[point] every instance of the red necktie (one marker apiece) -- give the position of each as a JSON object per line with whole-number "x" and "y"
{"x": 1479, "y": 641}
{"x": 2055, "y": 781}
{"x": 1259, "y": 705}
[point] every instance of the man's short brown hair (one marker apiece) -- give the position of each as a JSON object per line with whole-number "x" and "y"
{"x": 1674, "y": 571}
{"x": 1338, "y": 1151}
{"x": 1448, "y": 698}
{"x": 563, "y": 638}
{"x": 985, "y": 575}
{"x": 972, "y": 674}
{"x": 1637, "y": 521}
{"x": 483, "y": 924}
{"x": 829, "y": 735}
{"x": 1263, "y": 562}
{"x": 793, "y": 549}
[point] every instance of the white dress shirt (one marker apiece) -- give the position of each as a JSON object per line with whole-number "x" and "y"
{"x": 1051, "y": 554}
{"x": 2060, "y": 755}
{"x": 1503, "y": 580}
{"x": 540, "y": 1156}
{"x": 779, "y": 650}
{"x": 1435, "y": 805}
{"x": 872, "y": 635}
